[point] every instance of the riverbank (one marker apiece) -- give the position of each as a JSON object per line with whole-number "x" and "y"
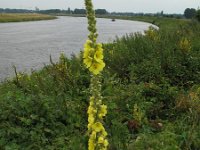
{"x": 20, "y": 17}
{"x": 151, "y": 85}
{"x": 162, "y": 22}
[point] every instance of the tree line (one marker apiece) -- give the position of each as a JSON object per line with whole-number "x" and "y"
{"x": 52, "y": 11}
{"x": 188, "y": 13}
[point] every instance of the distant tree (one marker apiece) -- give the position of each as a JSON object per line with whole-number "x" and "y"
{"x": 198, "y": 15}
{"x": 162, "y": 13}
{"x": 69, "y": 10}
{"x": 189, "y": 13}
{"x": 101, "y": 11}
{"x": 50, "y": 11}
{"x": 1, "y": 10}
{"x": 79, "y": 11}
{"x": 8, "y": 10}
{"x": 37, "y": 9}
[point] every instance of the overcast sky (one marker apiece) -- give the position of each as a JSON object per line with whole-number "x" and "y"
{"x": 147, "y": 6}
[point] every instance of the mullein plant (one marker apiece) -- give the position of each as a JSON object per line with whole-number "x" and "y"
{"x": 93, "y": 60}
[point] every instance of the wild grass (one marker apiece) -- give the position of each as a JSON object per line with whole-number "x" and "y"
{"x": 19, "y": 17}
{"x": 151, "y": 86}
{"x": 162, "y": 22}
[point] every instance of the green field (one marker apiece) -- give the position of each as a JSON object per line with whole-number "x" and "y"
{"x": 5, "y": 17}
{"x": 151, "y": 85}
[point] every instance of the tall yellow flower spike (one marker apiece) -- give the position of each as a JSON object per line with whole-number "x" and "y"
{"x": 93, "y": 60}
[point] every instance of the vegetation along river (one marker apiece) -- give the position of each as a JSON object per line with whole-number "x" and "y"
{"x": 28, "y": 45}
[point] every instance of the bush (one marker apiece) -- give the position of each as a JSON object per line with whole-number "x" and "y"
{"x": 45, "y": 108}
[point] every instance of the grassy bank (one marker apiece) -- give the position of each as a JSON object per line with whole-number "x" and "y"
{"x": 4, "y": 17}
{"x": 162, "y": 22}
{"x": 151, "y": 86}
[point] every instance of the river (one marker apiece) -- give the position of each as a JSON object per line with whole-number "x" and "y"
{"x": 28, "y": 45}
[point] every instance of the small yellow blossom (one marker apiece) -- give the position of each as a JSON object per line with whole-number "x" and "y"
{"x": 104, "y": 133}
{"x": 102, "y": 111}
{"x": 105, "y": 143}
{"x": 89, "y": 126}
{"x": 97, "y": 67}
{"x": 91, "y": 119}
{"x": 98, "y": 127}
{"x": 93, "y": 135}
{"x": 101, "y": 140}
{"x": 98, "y": 56}
{"x": 86, "y": 53}
{"x": 91, "y": 144}
{"x": 88, "y": 61}
{"x": 92, "y": 99}
{"x": 91, "y": 110}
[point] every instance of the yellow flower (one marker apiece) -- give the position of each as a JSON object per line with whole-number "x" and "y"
{"x": 101, "y": 140}
{"x": 89, "y": 126}
{"x": 105, "y": 143}
{"x": 91, "y": 119}
{"x": 103, "y": 111}
{"x": 97, "y": 67}
{"x": 86, "y": 53}
{"x": 98, "y": 56}
{"x": 91, "y": 110}
{"x": 91, "y": 144}
{"x": 87, "y": 45}
{"x": 93, "y": 58}
{"x": 104, "y": 133}
{"x": 88, "y": 61}
{"x": 98, "y": 127}
{"x": 92, "y": 100}
{"x": 93, "y": 135}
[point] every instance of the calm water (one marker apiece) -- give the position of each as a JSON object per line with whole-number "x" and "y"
{"x": 29, "y": 44}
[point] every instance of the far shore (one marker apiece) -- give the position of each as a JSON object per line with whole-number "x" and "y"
{"x": 21, "y": 17}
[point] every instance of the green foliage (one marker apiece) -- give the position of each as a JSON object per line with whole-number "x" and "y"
{"x": 156, "y": 56}
{"x": 165, "y": 140}
{"x": 45, "y": 108}
{"x": 150, "y": 85}
{"x": 198, "y": 15}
